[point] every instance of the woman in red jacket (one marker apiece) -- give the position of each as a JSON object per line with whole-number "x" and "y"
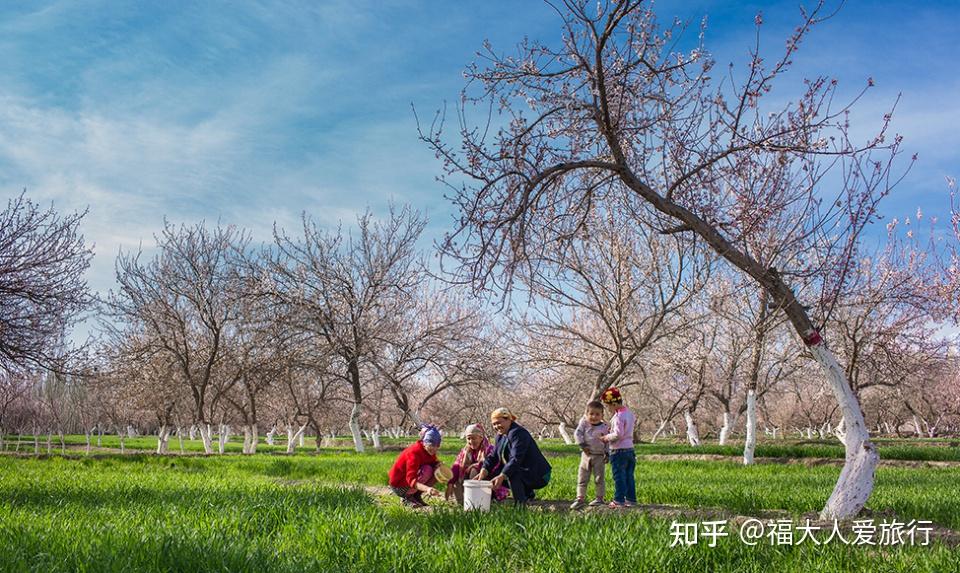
{"x": 412, "y": 475}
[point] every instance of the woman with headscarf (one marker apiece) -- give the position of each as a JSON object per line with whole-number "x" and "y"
{"x": 470, "y": 461}
{"x": 413, "y": 474}
{"x": 516, "y": 460}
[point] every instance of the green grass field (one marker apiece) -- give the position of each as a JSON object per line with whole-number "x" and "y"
{"x": 312, "y": 512}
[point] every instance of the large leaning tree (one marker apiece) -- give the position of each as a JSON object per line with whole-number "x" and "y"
{"x": 618, "y": 108}
{"x": 42, "y": 290}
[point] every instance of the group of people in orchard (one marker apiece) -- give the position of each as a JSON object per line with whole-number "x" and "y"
{"x": 514, "y": 463}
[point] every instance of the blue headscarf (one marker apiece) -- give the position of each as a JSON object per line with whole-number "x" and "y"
{"x": 430, "y": 434}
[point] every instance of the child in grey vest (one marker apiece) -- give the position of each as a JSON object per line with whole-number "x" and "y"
{"x": 594, "y": 454}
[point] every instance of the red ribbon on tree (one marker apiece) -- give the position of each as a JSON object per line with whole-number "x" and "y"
{"x": 812, "y": 338}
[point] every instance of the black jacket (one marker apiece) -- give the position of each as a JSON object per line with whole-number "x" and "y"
{"x": 519, "y": 453}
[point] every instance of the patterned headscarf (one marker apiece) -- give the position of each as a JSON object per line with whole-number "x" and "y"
{"x": 468, "y": 456}
{"x": 430, "y": 435}
{"x": 474, "y": 429}
{"x": 502, "y": 413}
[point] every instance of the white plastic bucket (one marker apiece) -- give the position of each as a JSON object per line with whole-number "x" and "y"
{"x": 476, "y": 494}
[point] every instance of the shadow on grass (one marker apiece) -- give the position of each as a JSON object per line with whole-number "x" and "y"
{"x": 212, "y": 497}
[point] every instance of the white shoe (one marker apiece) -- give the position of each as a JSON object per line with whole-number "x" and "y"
{"x": 577, "y": 504}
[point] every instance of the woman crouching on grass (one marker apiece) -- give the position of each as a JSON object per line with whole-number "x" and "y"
{"x": 470, "y": 461}
{"x": 516, "y": 460}
{"x": 412, "y": 475}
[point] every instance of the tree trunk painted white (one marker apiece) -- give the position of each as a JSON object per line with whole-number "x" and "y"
{"x": 193, "y": 433}
{"x": 294, "y": 437}
{"x": 86, "y": 435}
{"x": 270, "y": 435}
{"x": 728, "y": 422}
{"x": 206, "y": 436}
{"x": 163, "y": 438}
{"x": 693, "y": 435}
{"x": 180, "y": 438}
{"x": 809, "y": 433}
{"x": 659, "y": 431}
{"x": 123, "y": 438}
{"x": 376, "y": 438}
{"x": 302, "y": 434}
{"x": 916, "y": 426}
{"x": 251, "y": 437}
{"x": 562, "y": 427}
{"x": 750, "y": 444}
{"x": 355, "y": 428}
{"x": 856, "y": 479}
{"x": 223, "y": 437}
{"x": 841, "y": 432}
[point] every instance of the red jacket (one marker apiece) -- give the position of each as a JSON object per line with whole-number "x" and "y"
{"x": 405, "y": 469}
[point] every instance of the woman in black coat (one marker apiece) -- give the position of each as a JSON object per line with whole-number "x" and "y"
{"x": 522, "y": 465}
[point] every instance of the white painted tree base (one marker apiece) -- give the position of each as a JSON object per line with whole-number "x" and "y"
{"x": 355, "y": 429}
{"x": 206, "y": 436}
{"x": 856, "y": 479}
{"x": 728, "y": 423}
{"x": 693, "y": 434}
{"x": 750, "y": 445}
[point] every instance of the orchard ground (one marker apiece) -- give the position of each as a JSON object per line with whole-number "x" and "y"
{"x": 329, "y": 510}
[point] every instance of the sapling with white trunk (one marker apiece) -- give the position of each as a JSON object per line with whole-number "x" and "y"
{"x": 293, "y": 437}
{"x": 728, "y": 423}
{"x": 693, "y": 434}
{"x": 750, "y": 444}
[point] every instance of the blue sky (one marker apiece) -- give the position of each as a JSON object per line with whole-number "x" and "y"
{"x": 252, "y": 112}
